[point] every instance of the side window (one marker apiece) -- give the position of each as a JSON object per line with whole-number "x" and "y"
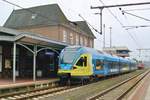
{"x": 114, "y": 64}
{"x": 111, "y": 64}
{"x": 123, "y": 65}
{"x": 99, "y": 64}
{"x": 82, "y": 61}
{"x": 85, "y": 61}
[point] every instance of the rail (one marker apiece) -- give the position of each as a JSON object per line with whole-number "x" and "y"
{"x": 105, "y": 92}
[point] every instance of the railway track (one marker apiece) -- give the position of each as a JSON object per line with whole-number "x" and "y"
{"x": 41, "y": 93}
{"x": 120, "y": 90}
{"x": 33, "y": 93}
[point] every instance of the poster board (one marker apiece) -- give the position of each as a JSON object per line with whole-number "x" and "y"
{"x": 7, "y": 63}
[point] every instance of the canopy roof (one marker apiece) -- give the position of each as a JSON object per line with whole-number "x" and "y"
{"x": 12, "y": 35}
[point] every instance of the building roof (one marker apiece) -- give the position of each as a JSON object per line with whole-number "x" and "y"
{"x": 8, "y": 31}
{"x": 42, "y": 15}
{"x": 116, "y": 48}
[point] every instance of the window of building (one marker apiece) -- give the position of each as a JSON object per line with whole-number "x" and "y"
{"x": 81, "y": 40}
{"x": 0, "y": 58}
{"x": 64, "y": 36}
{"x": 77, "y": 39}
{"x": 91, "y": 43}
{"x": 85, "y": 41}
{"x": 33, "y": 16}
{"x": 71, "y": 38}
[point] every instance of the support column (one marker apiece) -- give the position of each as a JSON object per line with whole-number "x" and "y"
{"x": 34, "y": 63}
{"x": 14, "y": 63}
{"x": 103, "y": 36}
{"x": 101, "y": 23}
{"x": 110, "y": 37}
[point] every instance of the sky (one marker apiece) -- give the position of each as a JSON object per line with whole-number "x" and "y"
{"x": 132, "y": 38}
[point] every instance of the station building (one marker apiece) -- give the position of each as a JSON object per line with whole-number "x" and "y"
{"x": 32, "y": 38}
{"x": 118, "y": 51}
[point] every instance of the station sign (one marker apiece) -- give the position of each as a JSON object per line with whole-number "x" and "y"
{"x": 49, "y": 53}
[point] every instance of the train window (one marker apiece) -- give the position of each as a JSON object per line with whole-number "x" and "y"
{"x": 99, "y": 64}
{"x": 111, "y": 64}
{"x": 82, "y": 61}
{"x": 85, "y": 61}
{"x": 114, "y": 64}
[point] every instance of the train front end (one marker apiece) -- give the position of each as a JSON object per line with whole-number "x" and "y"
{"x": 74, "y": 62}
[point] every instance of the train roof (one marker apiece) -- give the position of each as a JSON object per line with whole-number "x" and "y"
{"x": 124, "y": 60}
{"x": 132, "y": 60}
{"x": 111, "y": 58}
{"x": 97, "y": 54}
{"x": 82, "y": 49}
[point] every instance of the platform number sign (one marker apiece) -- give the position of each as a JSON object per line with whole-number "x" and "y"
{"x": 0, "y": 58}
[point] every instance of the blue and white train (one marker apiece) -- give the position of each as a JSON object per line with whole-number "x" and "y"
{"x": 84, "y": 62}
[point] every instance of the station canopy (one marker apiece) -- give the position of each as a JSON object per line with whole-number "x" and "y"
{"x": 12, "y": 35}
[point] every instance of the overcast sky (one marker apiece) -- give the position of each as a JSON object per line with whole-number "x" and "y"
{"x": 135, "y": 39}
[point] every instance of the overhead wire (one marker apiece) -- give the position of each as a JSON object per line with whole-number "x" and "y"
{"x": 47, "y": 17}
{"x": 137, "y": 26}
{"x": 121, "y": 24}
{"x": 89, "y": 24}
{"x": 79, "y": 14}
{"x": 129, "y": 27}
{"x": 124, "y": 12}
{"x": 137, "y": 9}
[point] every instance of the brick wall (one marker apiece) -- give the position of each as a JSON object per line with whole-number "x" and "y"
{"x": 56, "y": 33}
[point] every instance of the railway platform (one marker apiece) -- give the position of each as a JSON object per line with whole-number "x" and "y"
{"x": 142, "y": 92}
{"x": 147, "y": 96}
{"x": 8, "y": 85}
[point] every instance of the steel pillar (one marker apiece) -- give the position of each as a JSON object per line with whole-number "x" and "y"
{"x": 14, "y": 62}
{"x": 34, "y": 63}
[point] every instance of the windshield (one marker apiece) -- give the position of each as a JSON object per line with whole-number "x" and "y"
{"x": 68, "y": 55}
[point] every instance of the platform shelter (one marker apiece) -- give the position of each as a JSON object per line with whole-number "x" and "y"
{"x": 27, "y": 55}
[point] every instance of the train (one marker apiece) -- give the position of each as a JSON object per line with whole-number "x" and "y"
{"x": 140, "y": 65}
{"x": 77, "y": 62}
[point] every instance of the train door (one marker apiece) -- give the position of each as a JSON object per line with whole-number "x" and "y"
{"x": 106, "y": 67}
{"x": 99, "y": 68}
{"x": 82, "y": 66}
